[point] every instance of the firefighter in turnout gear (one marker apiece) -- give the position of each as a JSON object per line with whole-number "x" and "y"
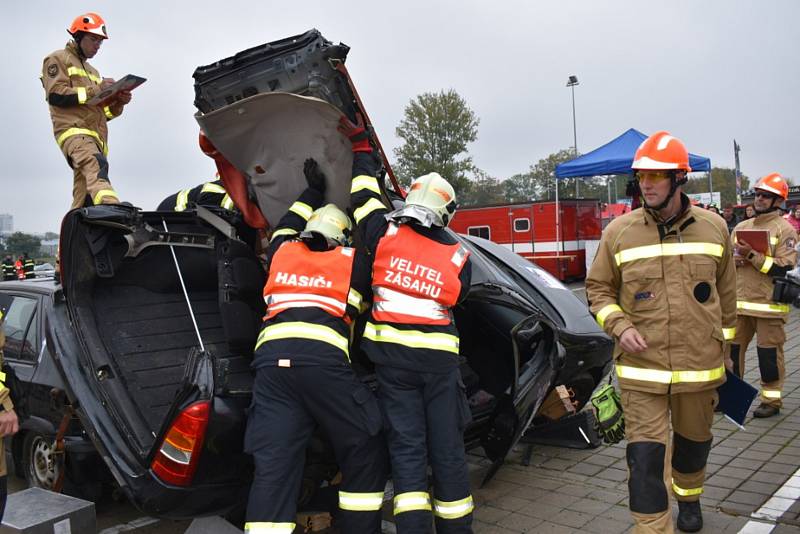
{"x": 663, "y": 286}
{"x": 9, "y": 424}
{"x": 28, "y": 266}
{"x": 315, "y": 290}
{"x": 419, "y": 273}
{"x": 207, "y": 194}
{"x": 757, "y": 312}
{"x": 9, "y": 273}
{"x": 80, "y": 129}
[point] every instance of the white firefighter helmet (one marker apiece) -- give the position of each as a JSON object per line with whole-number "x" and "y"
{"x": 330, "y": 222}
{"x": 436, "y": 198}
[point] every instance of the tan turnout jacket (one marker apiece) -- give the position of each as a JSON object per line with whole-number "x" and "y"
{"x": 69, "y": 83}
{"x": 754, "y": 279}
{"x": 676, "y": 285}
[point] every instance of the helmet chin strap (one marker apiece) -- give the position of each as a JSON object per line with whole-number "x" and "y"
{"x": 772, "y": 207}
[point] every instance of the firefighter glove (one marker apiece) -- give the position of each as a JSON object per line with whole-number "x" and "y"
{"x": 608, "y": 412}
{"x": 356, "y": 133}
{"x": 314, "y": 176}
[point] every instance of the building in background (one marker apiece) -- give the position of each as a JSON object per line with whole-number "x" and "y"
{"x": 6, "y": 224}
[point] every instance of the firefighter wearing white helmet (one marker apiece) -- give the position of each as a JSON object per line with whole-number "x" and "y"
{"x": 80, "y": 128}
{"x": 663, "y": 286}
{"x": 756, "y": 267}
{"x": 314, "y": 291}
{"x": 420, "y": 271}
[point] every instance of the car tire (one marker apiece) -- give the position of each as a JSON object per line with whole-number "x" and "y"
{"x": 40, "y": 465}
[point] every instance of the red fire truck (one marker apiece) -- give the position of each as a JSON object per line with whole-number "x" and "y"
{"x": 529, "y": 229}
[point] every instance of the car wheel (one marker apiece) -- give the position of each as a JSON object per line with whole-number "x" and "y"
{"x": 41, "y": 466}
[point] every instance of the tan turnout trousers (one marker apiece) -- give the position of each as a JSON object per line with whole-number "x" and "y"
{"x": 771, "y": 336}
{"x": 680, "y": 457}
{"x": 91, "y": 185}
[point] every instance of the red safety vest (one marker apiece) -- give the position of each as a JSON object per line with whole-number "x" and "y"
{"x": 301, "y": 278}
{"x": 20, "y": 268}
{"x": 415, "y": 279}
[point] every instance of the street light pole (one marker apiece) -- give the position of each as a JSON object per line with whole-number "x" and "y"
{"x": 572, "y": 81}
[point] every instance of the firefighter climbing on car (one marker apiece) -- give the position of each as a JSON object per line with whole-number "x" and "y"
{"x": 315, "y": 289}
{"x": 419, "y": 273}
{"x": 663, "y": 286}
{"x": 757, "y": 313}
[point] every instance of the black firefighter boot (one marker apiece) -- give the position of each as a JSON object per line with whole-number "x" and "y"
{"x": 690, "y": 518}
{"x": 766, "y": 410}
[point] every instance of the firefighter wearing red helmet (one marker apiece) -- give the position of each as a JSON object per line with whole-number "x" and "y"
{"x": 419, "y": 273}
{"x": 80, "y": 128}
{"x": 663, "y": 286}
{"x": 757, "y": 313}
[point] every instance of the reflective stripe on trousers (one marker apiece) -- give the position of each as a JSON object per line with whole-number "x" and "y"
{"x": 360, "y": 502}
{"x": 412, "y": 500}
{"x": 453, "y": 509}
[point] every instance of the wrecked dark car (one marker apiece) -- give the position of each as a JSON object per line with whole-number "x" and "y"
{"x": 154, "y": 327}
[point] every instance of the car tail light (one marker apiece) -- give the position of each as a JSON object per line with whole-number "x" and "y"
{"x": 176, "y": 460}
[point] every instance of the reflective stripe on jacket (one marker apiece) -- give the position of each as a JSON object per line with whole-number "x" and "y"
{"x": 754, "y": 279}
{"x": 676, "y": 285}
{"x": 415, "y": 280}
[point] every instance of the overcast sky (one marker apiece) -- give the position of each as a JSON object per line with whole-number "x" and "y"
{"x": 708, "y": 72}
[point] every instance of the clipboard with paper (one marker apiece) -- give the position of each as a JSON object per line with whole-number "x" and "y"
{"x": 128, "y": 83}
{"x": 735, "y": 398}
{"x": 757, "y": 239}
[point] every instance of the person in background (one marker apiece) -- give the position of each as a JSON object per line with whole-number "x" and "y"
{"x": 9, "y": 423}
{"x": 749, "y": 212}
{"x": 28, "y": 265}
{"x": 80, "y": 128}
{"x": 757, "y": 313}
{"x": 713, "y": 208}
{"x": 9, "y": 273}
{"x": 663, "y": 286}
{"x": 794, "y": 218}
{"x": 730, "y": 217}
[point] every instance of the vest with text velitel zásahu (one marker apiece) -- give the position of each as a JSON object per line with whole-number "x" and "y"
{"x": 414, "y": 279}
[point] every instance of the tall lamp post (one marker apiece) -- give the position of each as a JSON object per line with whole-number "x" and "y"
{"x": 572, "y": 81}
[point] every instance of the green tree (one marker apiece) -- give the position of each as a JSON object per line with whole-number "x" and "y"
{"x": 537, "y": 183}
{"x": 483, "y": 189}
{"x": 723, "y": 180}
{"x": 436, "y": 129}
{"x": 20, "y": 243}
{"x": 49, "y": 236}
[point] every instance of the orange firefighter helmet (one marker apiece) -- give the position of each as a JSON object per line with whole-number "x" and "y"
{"x": 775, "y": 184}
{"x": 89, "y": 23}
{"x": 661, "y": 151}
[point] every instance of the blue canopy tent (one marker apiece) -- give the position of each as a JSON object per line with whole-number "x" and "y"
{"x": 616, "y": 157}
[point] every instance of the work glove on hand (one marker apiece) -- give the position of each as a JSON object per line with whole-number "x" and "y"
{"x": 356, "y": 133}
{"x": 608, "y": 412}
{"x": 314, "y": 176}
